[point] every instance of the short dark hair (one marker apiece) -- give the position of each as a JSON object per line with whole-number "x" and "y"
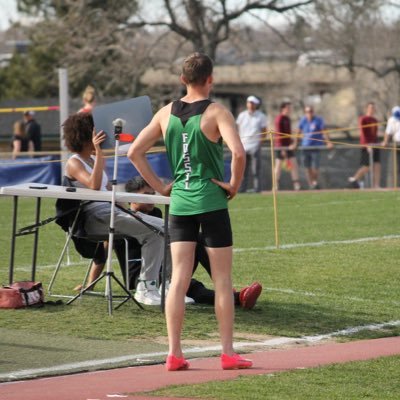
{"x": 135, "y": 184}
{"x": 284, "y": 104}
{"x": 197, "y": 68}
{"x": 78, "y": 130}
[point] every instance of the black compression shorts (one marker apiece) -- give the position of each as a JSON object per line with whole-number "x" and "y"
{"x": 215, "y": 227}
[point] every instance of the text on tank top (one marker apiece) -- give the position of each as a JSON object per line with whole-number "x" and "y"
{"x": 194, "y": 161}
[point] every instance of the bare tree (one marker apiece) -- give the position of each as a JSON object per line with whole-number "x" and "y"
{"x": 206, "y": 24}
{"x": 340, "y": 36}
{"x": 361, "y": 36}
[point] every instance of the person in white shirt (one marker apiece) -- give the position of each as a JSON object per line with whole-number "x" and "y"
{"x": 393, "y": 127}
{"x": 252, "y": 123}
{"x": 393, "y": 131}
{"x": 86, "y": 168}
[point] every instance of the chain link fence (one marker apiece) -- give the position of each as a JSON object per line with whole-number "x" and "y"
{"x": 336, "y": 166}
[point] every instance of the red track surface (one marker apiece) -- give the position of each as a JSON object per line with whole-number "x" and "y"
{"x": 105, "y": 385}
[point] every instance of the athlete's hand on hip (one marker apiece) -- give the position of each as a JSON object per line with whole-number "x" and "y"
{"x": 166, "y": 190}
{"x": 229, "y": 189}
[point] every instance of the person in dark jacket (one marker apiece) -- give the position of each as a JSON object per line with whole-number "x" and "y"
{"x": 33, "y": 130}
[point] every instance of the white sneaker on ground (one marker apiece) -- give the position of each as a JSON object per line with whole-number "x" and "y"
{"x": 147, "y": 293}
{"x": 188, "y": 300}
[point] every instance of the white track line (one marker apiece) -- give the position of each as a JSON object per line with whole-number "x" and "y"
{"x": 50, "y": 266}
{"x": 312, "y": 294}
{"x": 266, "y": 248}
{"x": 146, "y": 357}
{"x": 319, "y": 204}
{"x": 316, "y": 244}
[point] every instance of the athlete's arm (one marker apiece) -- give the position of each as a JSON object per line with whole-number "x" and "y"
{"x": 227, "y": 128}
{"x": 137, "y": 153}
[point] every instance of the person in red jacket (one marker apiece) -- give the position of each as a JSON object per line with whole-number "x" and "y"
{"x": 286, "y": 146}
{"x": 368, "y": 138}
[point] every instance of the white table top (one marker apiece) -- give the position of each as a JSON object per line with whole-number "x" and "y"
{"x": 59, "y": 192}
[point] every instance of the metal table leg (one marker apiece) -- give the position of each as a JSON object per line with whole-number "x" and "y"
{"x": 13, "y": 236}
{"x": 36, "y": 239}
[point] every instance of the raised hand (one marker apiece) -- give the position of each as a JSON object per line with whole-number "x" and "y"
{"x": 98, "y": 138}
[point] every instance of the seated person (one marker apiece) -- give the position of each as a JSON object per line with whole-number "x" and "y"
{"x": 98, "y": 253}
{"x": 246, "y": 298}
{"x": 85, "y": 168}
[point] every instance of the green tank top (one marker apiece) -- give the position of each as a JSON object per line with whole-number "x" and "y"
{"x": 194, "y": 160}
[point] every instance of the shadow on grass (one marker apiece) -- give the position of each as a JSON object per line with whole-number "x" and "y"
{"x": 34, "y": 347}
{"x": 292, "y": 319}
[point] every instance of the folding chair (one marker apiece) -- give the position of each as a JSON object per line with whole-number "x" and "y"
{"x": 68, "y": 217}
{"x": 96, "y": 244}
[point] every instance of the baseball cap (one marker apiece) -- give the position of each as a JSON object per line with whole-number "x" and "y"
{"x": 253, "y": 99}
{"x": 396, "y": 112}
{"x": 30, "y": 112}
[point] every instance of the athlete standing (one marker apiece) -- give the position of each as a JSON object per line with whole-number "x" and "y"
{"x": 193, "y": 129}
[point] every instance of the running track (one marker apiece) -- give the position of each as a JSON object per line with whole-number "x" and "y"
{"x": 116, "y": 383}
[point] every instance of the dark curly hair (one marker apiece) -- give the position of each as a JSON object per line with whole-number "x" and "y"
{"x": 78, "y": 129}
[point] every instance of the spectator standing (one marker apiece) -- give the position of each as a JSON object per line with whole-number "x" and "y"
{"x": 251, "y": 124}
{"x": 312, "y": 128}
{"x": 33, "y": 130}
{"x": 20, "y": 141}
{"x": 287, "y": 145}
{"x": 368, "y": 138}
{"x": 393, "y": 131}
{"x": 193, "y": 129}
{"x": 88, "y": 99}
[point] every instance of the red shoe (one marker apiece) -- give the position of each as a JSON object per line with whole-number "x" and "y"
{"x": 176, "y": 364}
{"x": 235, "y": 362}
{"x": 248, "y": 295}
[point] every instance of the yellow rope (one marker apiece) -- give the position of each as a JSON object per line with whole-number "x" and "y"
{"x": 23, "y": 109}
{"x": 158, "y": 149}
{"x": 265, "y": 135}
{"x": 327, "y": 131}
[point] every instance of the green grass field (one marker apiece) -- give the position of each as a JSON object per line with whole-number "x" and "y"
{"x": 375, "y": 379}
{"x": 337, "y": 267}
